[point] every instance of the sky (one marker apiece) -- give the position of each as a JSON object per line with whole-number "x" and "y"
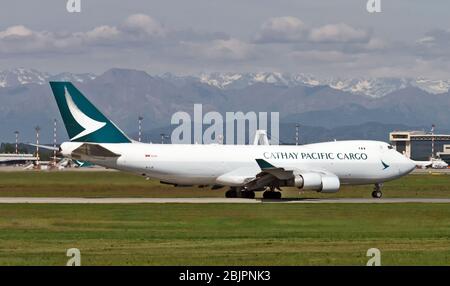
{"x": 327, "y": 38}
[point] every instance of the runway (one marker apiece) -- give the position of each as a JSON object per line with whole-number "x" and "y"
{"x": 54, "y": 200}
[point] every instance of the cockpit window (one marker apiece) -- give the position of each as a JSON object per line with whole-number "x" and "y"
{"x": 390, "y": 147}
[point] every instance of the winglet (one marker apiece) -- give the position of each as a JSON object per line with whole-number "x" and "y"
{"x": 263, "y": 164}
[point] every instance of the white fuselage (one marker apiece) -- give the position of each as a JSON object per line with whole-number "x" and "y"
{"x": 353, "y": 162}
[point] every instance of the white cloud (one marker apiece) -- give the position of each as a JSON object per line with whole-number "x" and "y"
{"x": 282, "y": 43}
{"x": 281, "y": 30}
{"x": 143, "y": 25}
{"x": 104, "y": 32}
{"x": 16, "y": 31}
{"x": 321, "y": 56}
{"x": 228, "y": 49}
{"x": 338, "y": 33}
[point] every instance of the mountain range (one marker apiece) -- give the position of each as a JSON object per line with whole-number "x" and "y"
{"x": 365, "y": 108}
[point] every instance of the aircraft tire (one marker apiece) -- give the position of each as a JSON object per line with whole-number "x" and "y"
{"x": 377, "y": 194}
{"x": 248, "y": 194}
{"x": 231, "y": 193}
{"x": 271, "y": 195}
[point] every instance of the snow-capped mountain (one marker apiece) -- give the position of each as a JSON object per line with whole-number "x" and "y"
{"x": 364, "y": 86}
{"x": 371, "y": 87}
{"x": 240, "y": 80}
{"x": 21, "y": 76}
{"x": 83, "y": 77}
{"x": 433, "y": 86}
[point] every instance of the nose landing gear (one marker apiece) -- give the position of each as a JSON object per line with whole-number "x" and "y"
{"x": 377, "y": 194}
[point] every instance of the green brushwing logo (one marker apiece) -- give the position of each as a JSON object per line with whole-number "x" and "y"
{"x": 83, "y": 121}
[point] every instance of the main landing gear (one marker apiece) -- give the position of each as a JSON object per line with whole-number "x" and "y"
{"x": 231, "y": 193}
{"x": 377, "y": 194}
{"x": 234, "y": 192}
{"x": 272, "y": 194}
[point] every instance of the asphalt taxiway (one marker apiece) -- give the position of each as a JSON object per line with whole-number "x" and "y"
{"x": 54, "y": 200}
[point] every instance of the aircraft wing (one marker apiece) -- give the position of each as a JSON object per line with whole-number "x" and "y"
{"x": 310, "y": 179}
{"x": 238, "y": 177}
{"x": 267, "y": 175}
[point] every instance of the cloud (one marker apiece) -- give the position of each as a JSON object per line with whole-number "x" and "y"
{"x": 100, "y": 33}
{"x": 321, "y": 56}
{"x": 143, "y": 25}
{"x": 281, "y": 43}
{"x": 15, "y": 32}
{"x": 338, "y": 33}
{"x": 20, "y": 40}
{"x": 434, "y": 45}
{"x": 281, "y": 30}
{"x": 228, "y": 49}
{"x": 438, "y": 37}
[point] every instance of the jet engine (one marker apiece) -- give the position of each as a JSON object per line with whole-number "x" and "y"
{"x": 324, "y": 183}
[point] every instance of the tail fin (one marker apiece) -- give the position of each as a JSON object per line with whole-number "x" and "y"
{"x": 83, "y": 121}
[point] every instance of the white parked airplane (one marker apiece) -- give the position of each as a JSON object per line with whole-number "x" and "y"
{"x": 322, "y": 167}
{"x": 433, "y": 163}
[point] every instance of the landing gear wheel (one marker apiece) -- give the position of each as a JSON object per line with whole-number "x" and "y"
{"x": 232, "y": 193}
{"x": 272, "y": 195}
{"x": 248, "y": 194}
{"x": 377, "y": 194}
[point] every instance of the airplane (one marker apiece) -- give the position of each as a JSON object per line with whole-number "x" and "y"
{"x": 244, "y": 169}
{"x": 433, "y": 163}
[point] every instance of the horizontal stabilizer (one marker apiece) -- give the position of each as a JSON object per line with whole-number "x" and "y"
{"x": 93, "y": 150}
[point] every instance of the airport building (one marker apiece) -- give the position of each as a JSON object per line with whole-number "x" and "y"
{"x": 445, "y": 154}
{"x": 12, "y": 159}
{"x": 419, "y": 145}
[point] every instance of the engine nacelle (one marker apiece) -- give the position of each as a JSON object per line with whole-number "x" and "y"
{"x": 308, "y": 181}
{"x": 314, "y": 181}
{"x": 330, "y": 184}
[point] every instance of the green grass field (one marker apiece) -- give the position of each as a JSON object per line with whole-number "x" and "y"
{"x": 225, "y": 234}
{"x": 217, "y": 234}
{"x": 117, "y": 184}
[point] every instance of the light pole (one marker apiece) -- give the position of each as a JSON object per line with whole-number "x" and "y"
{"x": 17, "y": 141}
{"x": 432, "y": 141}
{"x": 37, "y": 128}
{"x": 54, "y": 142}
{"x": 140, "y": 118}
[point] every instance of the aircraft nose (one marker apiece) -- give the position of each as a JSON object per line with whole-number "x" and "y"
{"x": 406, "y": 166}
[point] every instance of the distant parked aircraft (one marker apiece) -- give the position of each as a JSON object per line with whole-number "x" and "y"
{"x": 433, "y": 163}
